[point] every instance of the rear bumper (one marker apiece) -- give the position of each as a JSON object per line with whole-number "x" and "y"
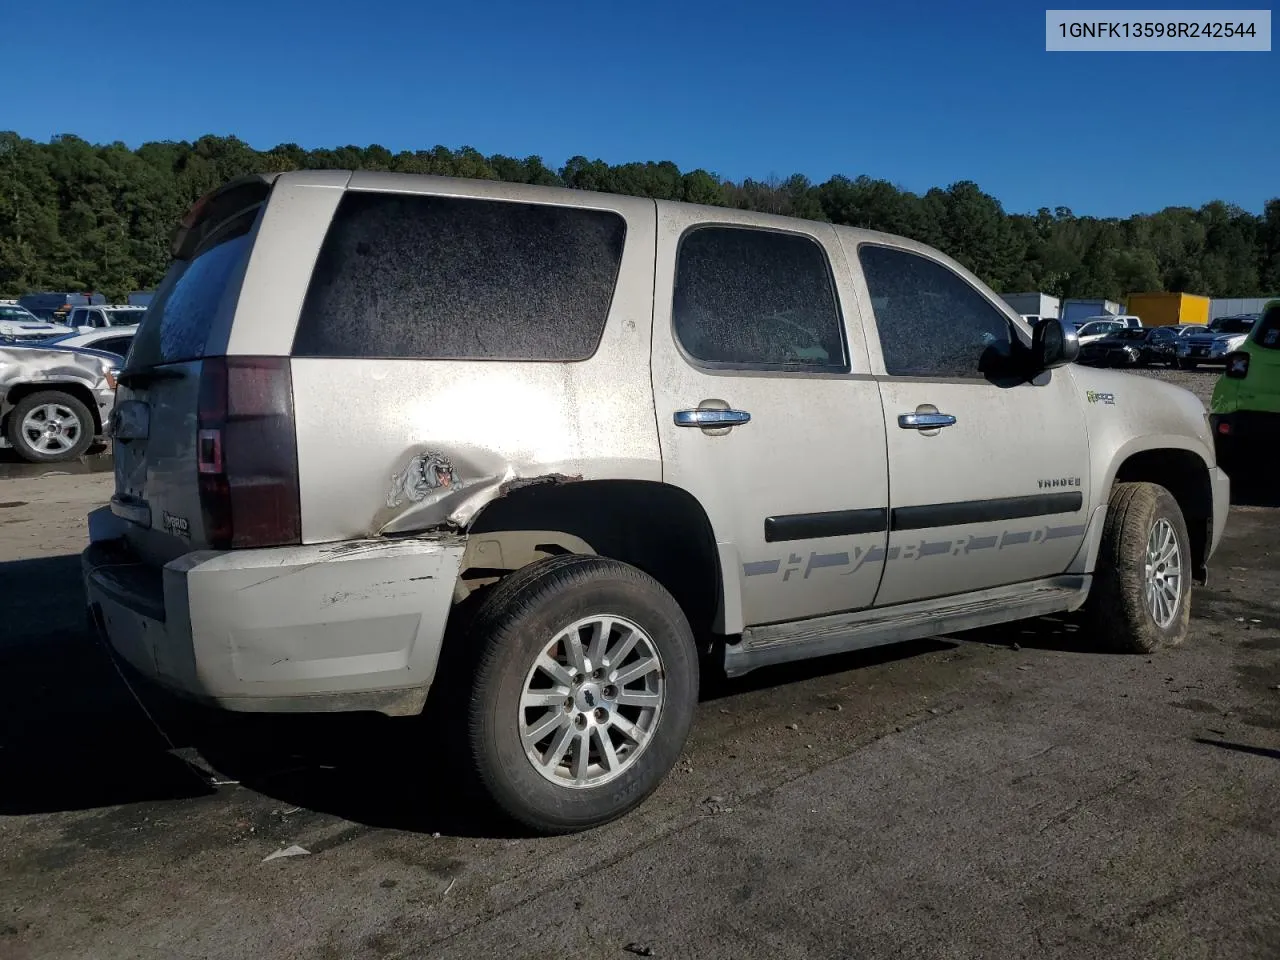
{"x": 331, "y": 627}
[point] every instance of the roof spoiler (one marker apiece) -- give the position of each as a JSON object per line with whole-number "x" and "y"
{"x": 215, "y": 208}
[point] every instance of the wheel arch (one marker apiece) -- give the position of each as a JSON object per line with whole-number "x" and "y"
{"x": 72, "y": 388}
{"x": 658, "y": 528}
{"x": 1183, "y": 470}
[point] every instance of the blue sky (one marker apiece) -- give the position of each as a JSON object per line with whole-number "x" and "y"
{"x": 922, "y": 94}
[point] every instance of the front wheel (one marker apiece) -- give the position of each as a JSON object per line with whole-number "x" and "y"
{"x": 50, "y": 427}
{"x": 1141, "y": 595}
{"x": 584, "y": 692}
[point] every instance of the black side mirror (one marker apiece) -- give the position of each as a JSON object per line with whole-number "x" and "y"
{"x": 1053, "y": 344}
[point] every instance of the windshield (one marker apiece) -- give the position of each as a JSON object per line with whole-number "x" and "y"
{"x": 17, "y": 314}
{"x": 1232, "y": 324}
{"x": 124, "y": 318}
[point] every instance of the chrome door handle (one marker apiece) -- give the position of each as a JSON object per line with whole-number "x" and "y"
{"x": 706, "y": 417}
{"x": 925, "y": 421}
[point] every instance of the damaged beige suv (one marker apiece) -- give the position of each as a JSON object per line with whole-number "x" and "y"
{"x": 552, "y": 453}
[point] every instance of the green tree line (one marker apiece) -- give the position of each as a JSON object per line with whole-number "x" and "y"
{"x": 82, "y": 216}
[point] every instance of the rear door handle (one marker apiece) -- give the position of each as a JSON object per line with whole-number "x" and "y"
{"x": 925, "y": 421}
{"x": 706, "y": 417}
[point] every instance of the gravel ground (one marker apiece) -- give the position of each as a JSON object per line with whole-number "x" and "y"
{"x": 1009, "y": 793}
{"x": 1199, "y": 381}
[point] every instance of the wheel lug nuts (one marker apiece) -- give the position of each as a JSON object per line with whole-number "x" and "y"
{"x": 597, "y": 674}
{"x": 568, "y": 703}
{"x": 580, "y": 721}
{"x": 610, "y": 691}
{"x": 577, "y": 679}
{"x": 601, "y": 714}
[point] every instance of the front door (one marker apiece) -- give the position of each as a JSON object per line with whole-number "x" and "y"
{"x": 767, "y": 412}
{"x": 988, "y": 473}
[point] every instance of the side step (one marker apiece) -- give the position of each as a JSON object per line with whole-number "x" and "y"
{"x": 840, "y": 633}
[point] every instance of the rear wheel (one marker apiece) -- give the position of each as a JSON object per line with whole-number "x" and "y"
{"x": 50, "y": 426}
{"x": 1141, "y": 595}
{"x": 584, "y": 692}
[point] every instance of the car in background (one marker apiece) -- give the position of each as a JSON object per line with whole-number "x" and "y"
{"x": 1132, "y": 348}
{"x": 55, "y": 400}
{"x": 1245, "y": 410}
{"x": 53, "y": 307}
{"x": 20, "y": 325}
{"x": 1095, "y": 328}
{"x": 87, "y": 319}
{"x": 111, "y": 340}
{"x": 1211, "y": 345}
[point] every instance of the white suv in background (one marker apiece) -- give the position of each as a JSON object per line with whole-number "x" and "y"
{"x": 87, "y": 319}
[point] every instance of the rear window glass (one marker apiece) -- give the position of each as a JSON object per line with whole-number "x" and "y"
{"x": 1268, "y": 332}
{"x": 426, "y": 277}
{"x": 176, "y": 325}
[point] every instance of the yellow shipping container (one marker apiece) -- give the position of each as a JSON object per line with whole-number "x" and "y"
{"x": 1167, "y": 309}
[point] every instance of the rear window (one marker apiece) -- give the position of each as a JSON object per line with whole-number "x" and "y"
{"x": 445, "y": 278}
{"x": 1268, "y": 332}
{"x": 176, "y": 325}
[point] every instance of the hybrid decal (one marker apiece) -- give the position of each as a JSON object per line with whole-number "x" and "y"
{"x": 176, "y": 526}
{"x": 801, "y": 567}
{"x": 1094, "y": 396}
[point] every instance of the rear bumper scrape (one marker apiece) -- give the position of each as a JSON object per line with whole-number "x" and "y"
{"x": 350, "y": 626}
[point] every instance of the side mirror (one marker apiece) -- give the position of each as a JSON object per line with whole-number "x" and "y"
{"x": 1053, "y": 344}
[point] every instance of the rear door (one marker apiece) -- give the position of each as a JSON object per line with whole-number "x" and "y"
{"x": 767, "y": 412}
{"x": 988, "y": 473}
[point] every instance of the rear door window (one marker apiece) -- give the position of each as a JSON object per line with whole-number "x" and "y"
{"x": 454, "y": 278}
{"x": 757, "y": 299}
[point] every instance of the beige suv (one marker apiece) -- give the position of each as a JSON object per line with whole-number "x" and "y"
{"x": 606, "y": 442}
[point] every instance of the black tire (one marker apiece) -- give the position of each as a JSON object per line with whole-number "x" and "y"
{"x": 1116, "y": 613}
{"x": 513, "y": 625}
{"x": 22, "y": 444}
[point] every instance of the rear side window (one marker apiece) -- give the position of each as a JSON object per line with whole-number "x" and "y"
{"x": 752, "y": 298}
{"x": 1268, "y": 332}
{"x": 449, "y": 278}
{"x": 118, "y": 345}
{"x": 931, "y": 322}
{"x": 177, "y": 324}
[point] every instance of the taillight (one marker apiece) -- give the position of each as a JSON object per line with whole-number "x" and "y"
{"x": 247, "y": 453}
{"x": 1237, "y": 366}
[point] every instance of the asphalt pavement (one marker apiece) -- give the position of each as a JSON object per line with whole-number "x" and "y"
{"x": 1009, "y": 793}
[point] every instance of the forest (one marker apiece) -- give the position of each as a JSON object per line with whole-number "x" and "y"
{"x": 81, "y": 216}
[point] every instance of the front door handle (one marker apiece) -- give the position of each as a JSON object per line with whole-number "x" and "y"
{"x": 925, "y": 421}
{"x": 705, "y": 417}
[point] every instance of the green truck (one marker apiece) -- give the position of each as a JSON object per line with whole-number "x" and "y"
{"x": 1245, "y": 410}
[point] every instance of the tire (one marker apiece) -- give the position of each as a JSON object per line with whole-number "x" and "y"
{"x": 520, "y": 620}
{"x": 1117, "y": 612}
{"x": 76, "y": 433}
